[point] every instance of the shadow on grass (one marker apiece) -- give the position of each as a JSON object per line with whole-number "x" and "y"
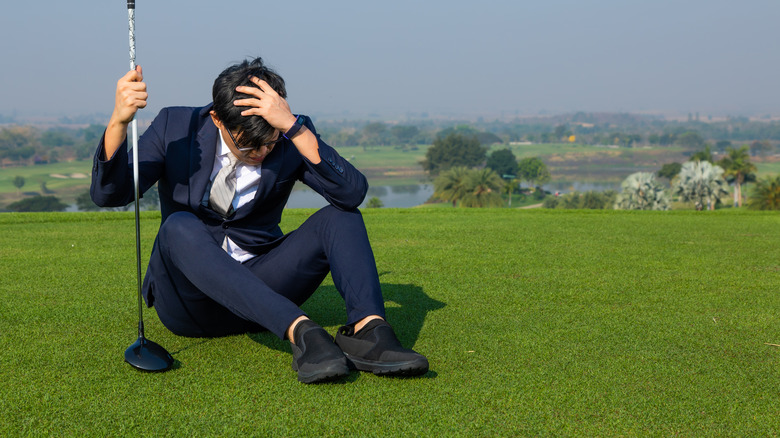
{"x": 200, "y": 341}
{"x": 406, "y": 308}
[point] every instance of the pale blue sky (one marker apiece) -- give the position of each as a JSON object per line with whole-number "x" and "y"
{"x": 351, "y": 58}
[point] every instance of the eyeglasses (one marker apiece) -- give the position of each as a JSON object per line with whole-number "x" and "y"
{"x": 270, "y": 143}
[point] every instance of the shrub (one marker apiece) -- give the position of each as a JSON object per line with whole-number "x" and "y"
{"x": 38, "y": 203}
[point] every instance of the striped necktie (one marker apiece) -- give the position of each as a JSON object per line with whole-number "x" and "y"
{"x": 224, "y": 187}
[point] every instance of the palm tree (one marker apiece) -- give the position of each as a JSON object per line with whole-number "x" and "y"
{"x": 701, "y": 183}
{"x": 705, "y": 155}
{"x": 484, "y": 189}
{"x": 738, "y": 168}
{"x": 641, "y": 191}
{"x": 766, "y": 194}
{"x": 510, "y": 186}
{"x": 451, "y": 185}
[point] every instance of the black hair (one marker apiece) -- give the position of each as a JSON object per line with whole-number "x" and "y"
{"x": 252, "y": 130}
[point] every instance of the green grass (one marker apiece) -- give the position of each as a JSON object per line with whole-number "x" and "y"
{"x": 67, "y": 180}
{"x": 536, "y": 322}
{"x": 383, "y": 156}
{"x": 387, "y": 165}
{"x": 768, "y": 169}
{"x": 543, "y": 149}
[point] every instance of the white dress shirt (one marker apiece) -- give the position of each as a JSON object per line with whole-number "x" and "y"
{"x": 247, "y": 181}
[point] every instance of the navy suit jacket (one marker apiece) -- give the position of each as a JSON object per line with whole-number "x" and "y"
{"x": 178, "y": 150}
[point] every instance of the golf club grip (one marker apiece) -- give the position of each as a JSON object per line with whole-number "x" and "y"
{"x": 131, "y": 28}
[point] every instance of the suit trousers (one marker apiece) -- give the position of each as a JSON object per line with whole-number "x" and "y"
{"x": 215, "y": 295}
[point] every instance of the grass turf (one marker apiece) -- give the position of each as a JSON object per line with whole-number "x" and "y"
{"x": 536, "y": 322}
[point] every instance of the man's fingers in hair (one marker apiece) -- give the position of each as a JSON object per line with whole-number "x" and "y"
{"x": 255, "y": 111}
{"x": 263, "y": 85}
{"x": 252, "y": 91}
{"x": 248, "y": 102}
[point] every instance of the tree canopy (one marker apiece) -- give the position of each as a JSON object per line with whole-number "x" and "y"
{"x": 503, "y": 162}
{"x": 19, "y": 182}
{"x": 669, "y": 170}
{"x": 451, "y": 151}
{"x": 533, "y": 170}
{"x": 703, "y": 155}
{"x": 38, "y": 203}
{"x": 485, "y": 138}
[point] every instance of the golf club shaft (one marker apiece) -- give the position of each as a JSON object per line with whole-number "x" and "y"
{"x": 134, "y": 134}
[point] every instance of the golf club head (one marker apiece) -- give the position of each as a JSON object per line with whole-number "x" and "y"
{"x": 146, "y": 355}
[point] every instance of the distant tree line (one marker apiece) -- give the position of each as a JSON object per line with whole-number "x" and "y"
{"x": 622, "y": 130}
{"x": 24, "y": 144}
{"x": 27, "y": 145}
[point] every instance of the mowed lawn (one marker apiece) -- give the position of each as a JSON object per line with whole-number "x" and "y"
{"x": 536, "y": 322}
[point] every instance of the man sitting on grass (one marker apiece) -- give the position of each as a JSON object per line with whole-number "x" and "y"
{"x": 220, "y": 264}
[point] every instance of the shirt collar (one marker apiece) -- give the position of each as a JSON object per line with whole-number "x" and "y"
{"x": 223, "y": 148}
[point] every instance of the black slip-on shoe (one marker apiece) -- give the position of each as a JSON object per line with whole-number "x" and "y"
{"x": 375, "y": 348}
{"x": 315, "y": 357}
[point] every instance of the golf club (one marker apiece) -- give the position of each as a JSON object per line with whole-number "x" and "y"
{"x": 144, "y": 354}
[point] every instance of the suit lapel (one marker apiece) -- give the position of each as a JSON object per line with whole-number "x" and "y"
{"x": 204, "y": 151}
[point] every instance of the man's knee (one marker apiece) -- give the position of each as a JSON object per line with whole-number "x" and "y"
{"x": 177, "y": 226}
{"x": 340, "y": 217}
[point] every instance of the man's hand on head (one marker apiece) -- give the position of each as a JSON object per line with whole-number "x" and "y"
{"x": 266, "y": 103}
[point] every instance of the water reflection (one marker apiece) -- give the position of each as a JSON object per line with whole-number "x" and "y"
{"x": 379, "y": 191}
{"x": 391, "y": 196}
{"x": 405, "y": 196}
{"x": 575, "y": 186}
{"x": 411, "y": 189}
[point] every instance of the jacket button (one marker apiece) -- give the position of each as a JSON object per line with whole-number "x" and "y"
{"x": 225, "y": 226}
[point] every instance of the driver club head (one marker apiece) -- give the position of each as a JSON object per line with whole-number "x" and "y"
{"x": 146, "y": 355}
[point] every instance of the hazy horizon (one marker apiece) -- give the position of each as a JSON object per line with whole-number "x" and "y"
{"x": 404, "y": 59}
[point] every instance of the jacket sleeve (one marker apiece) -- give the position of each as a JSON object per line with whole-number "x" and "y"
{"x": 112, "y": 177}
{"x": 335, "y": 178}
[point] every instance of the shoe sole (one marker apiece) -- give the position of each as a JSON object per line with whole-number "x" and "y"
{"x": 409, "y": 368}
{"x": 329, "y": 374}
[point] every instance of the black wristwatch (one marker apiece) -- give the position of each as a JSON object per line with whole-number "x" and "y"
{"x": 294, "y": 129}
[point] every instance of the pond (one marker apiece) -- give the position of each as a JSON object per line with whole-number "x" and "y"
{"x": 391, "y": 196}
{"x": 405, "y": 196}
{"x": 576, "y": 186}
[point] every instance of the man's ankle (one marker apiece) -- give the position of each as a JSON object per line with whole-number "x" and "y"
{"x": 291, "y": 328}
{"x": 362, "y": 323}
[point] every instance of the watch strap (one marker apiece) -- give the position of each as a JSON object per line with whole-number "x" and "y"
{"x": 294, "y": 128}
